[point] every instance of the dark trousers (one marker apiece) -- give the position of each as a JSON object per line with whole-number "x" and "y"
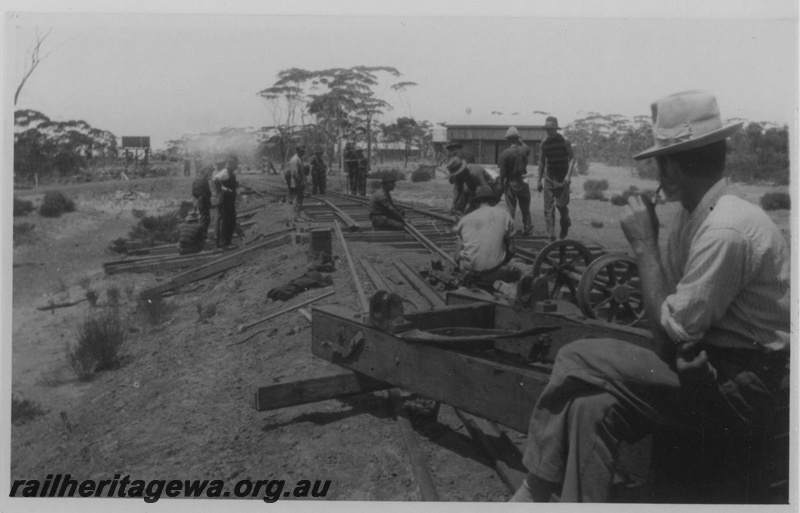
{"x": 519, "y": 192}
{"x": 226, "y": 219}
{"x": 318, "y": 182}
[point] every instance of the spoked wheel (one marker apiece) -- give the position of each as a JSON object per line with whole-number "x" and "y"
{"x": 610, "y": 290}
{"x": 561, "y": 264}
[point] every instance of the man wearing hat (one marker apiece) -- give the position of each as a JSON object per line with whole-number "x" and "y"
{"x": 382, "y": 211}
{"x": 513, "y": 164}
{"x": 193, "y": 234}
{"x": 319, "y": 172}
{"x": 351, "y": 167}
{"x": 225, "y": 184}
{"x": 363, "y": 171}
{"x": 485, "y": 243}
{"x": 456, "y": 149}
{"x": 296, "y": 178}
{"x": 201, "y": 191}
{"x": 466, "y": 178}
{"x": 719, "y": 313}
{"x": 555, "y": 159}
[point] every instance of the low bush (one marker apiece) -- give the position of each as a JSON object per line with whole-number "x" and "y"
{"x": 24, "y": 410}
{"x": 22, "y": 207}
{"x": 56, "y": 203}
{"x": 112, "y": 296}
{"x": 91, "y": 297}
{"x": 595, "y": 185}
{"x": 776, "y": 201}
{"x": 595, "y": 195}
{"x": 119, "y": 245}
{"x": 138, "y": 213}
{"x": 101, "y": 338}
{"x": 622, "y": 199}
{"x": 161, "y": 229}
{"x": 388, "y": 173}
{"x": 422, "y": 174}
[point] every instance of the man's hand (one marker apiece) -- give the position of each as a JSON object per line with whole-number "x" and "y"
{"x": 693, "y": 367}
{"x": 640, "y": 223}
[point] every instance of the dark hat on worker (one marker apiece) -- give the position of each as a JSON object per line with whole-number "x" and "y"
{"x": 456, "y": 166}
{"x": 301, "y": 147}
{"x": 551, "y": 122}
{"x": 483, "y": 193}
{"x": 685, "y": 121}
{"x": 512, "y": 133}
{"x": 452, "y": 145}
{"x": 389, "y": 178}
{"x": 221, "y": 161}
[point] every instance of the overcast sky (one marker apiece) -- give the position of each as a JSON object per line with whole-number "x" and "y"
{"x": 165, "y": 75}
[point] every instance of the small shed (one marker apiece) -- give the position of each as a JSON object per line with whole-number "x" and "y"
{"x": 484, "y": 136}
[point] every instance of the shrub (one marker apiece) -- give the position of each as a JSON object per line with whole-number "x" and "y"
{"x": 388, "y": 173}
{"x": 85, "y": 282}
{"x": 22, "y": 207}
{"x": 595, "y": 185}
{"x": 138, "y": 213}
{"x": 119, "y": 245}
{"x": 776, "y": 201}
{"x": 593, "y": 189}
{"x": 158, "y": 229}
{"x": 422, "y": 174}
{"x": 595, "y": 195}
{"x": 622, "y": 199}
{"x": 100, "y": 340}
{"x": 24, "y": 410}
{"x": 56, "y": 203}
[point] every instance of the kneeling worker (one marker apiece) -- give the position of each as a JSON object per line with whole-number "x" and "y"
{"x": 485, "y": 244}
{"x": 382, "y": 211}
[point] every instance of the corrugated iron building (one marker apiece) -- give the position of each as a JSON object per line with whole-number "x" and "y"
{"x": 485, "y": 136}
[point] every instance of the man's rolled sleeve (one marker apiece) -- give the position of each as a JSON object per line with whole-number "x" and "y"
{"x": 718, "y": 266}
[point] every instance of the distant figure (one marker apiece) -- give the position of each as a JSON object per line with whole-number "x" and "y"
{"x": 383, "y": 213}
{"x": 513, "y": 164}
{"x": 466, "y": 179}
{"x": 296, "y": 177}
{"x": 363, "y": 171}
{"x": 192, "y": 235}
{"x": 187, "y": 167}
{"x": 351, "y": 168}
{"x": 318, "y": 172}
{"x": 201, "y": 191}
{"x": 555, "y": 161}
{"x": 225, "y": 184}
{"x": 485, "y": 244}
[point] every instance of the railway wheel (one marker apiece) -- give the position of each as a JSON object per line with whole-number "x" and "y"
{"x": 561, "y": 264}
{"x": 610, "y": 290}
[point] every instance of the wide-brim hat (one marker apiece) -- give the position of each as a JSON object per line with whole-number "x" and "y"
{"x": 453, "y": 145}
{"x": 456, "y": 166}
{"x": 685, "y": 121}
{"x": 512, "y": 133}
{"x": 483, "y": 193}
{"x": 551, "y": 122}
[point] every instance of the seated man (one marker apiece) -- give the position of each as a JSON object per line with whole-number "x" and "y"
{"x": 485, "y": 244}
{"x": 382, "y": 211}
{"x": 466, "y": 178}
{"x": 193, "y": 235}
{"x": 719, "y": 312}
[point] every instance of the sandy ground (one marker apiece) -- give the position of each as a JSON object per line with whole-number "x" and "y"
{"x": 178, "y": 407}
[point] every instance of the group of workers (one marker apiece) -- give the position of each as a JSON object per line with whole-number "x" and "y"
{"x": 194, "y": 230}
{"x": 717, "y": 302}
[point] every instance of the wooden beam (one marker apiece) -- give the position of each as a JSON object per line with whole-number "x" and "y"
{"x": 419, "y": 284}
{"x": 419, "y": 468}
{"x": 330, "y": 383}
{"x": 249, "y": 325}
{"x": 493, "y": 390}
{"x": 352, "y": 225}
{"x": 359, "y": 289}
{"x": 218, "y": 265}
